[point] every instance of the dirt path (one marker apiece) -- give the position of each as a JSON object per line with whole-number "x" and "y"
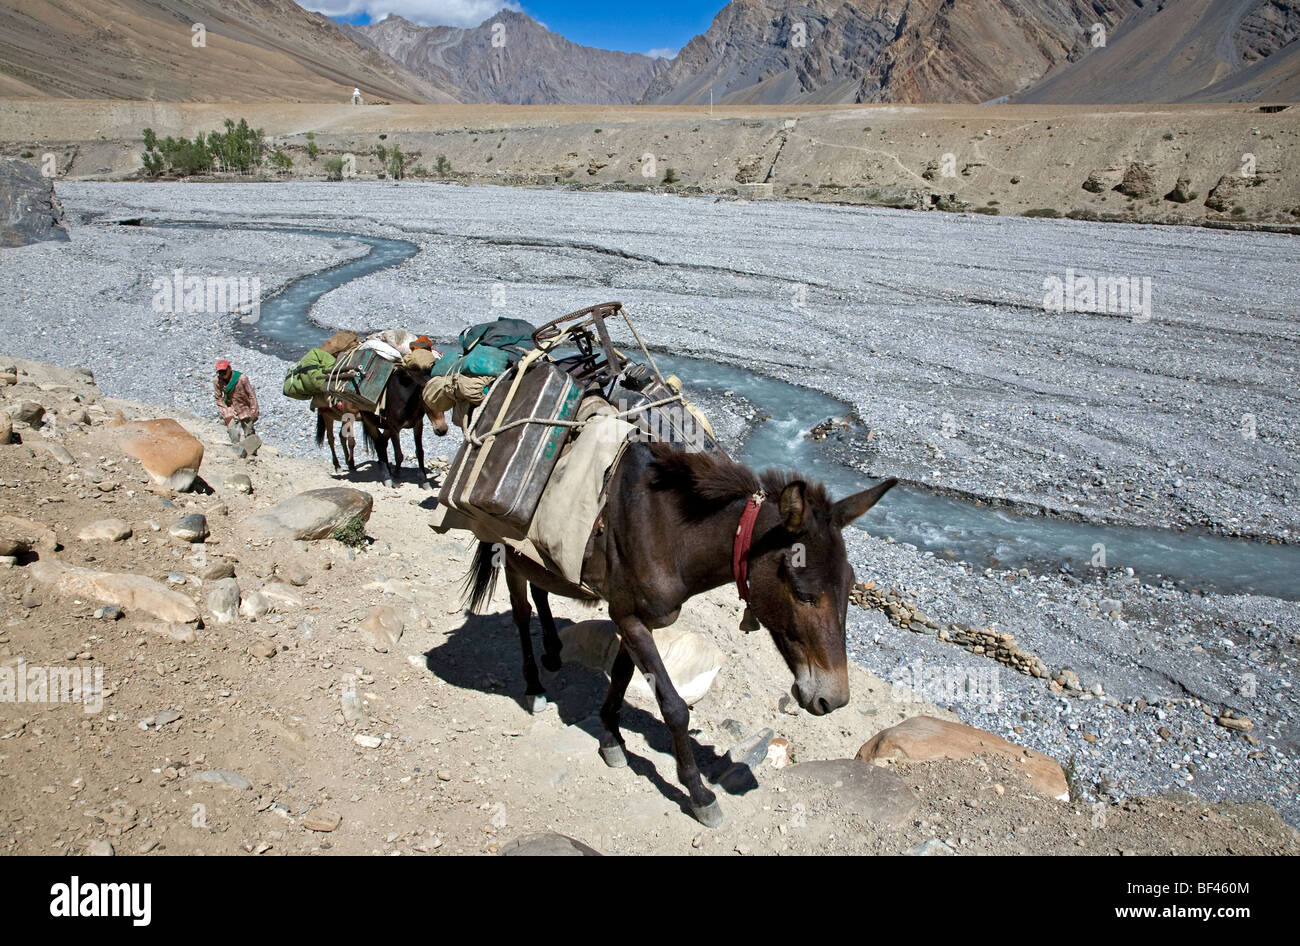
{"x": 453, "y": 764}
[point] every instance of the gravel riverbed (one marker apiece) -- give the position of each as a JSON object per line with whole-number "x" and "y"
{"x": 930, "y": 326}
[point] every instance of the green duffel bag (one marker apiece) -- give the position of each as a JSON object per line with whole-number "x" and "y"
{"x": 513, "y": 336}
{"x": 307, "y": 378}
{"x": 482, "y": 361}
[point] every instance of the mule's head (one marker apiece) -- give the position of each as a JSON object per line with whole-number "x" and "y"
{"x": 799, "y": 581}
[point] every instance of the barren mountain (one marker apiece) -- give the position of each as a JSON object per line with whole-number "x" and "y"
{"x": 1189, "y": 50}
{"x": 249, "y": 50}
{"x": 830, "y": 51}
{"x": 511, "y": 59}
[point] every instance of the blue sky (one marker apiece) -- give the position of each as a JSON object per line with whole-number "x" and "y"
{"x": 638, "y": 26}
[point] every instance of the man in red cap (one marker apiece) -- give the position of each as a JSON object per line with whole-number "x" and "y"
{"x": 237, "y": 405}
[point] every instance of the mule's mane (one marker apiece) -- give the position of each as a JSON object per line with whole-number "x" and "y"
{"x": 706, "y": 481}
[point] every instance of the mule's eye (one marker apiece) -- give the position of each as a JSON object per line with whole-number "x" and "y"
{"x": 802, "y": 592}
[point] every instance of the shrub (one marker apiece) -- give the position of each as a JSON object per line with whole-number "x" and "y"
{"x": 442, "y": 166}
{"x": 1043, "y": 212}
{"x": 27, "y": 154}
{"x": 353, "y": 534}
{"x": 396, "y": 164}
{"x": 670, "y": 176}
{"x": 334, "y": 169}
{"x": 312, "y": 150}
{"x": 281, "y": 161}
{"x": 382, "y": 154}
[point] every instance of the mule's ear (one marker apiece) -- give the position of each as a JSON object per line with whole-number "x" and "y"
{"x": 850, "y": 507}
{"x": 793, "y": 506}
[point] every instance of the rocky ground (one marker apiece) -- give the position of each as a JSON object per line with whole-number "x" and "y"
{"x": 294, "y": 730}
{"x": 1217, "y": 165}
{"x": 907, "y": 318}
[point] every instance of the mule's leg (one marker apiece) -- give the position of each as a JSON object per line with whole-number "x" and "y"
{"x": 418, "y": 432}
{"x": 348, "y": 436}
{"x": 677, "y": 716}
{"x": 396, "y": 438}
{"x": 550, "y": 636}
{"x": 329, "y": 432}
{"x": 611, "y": 740}
{"x": 379, "y": 443}
{"x": 535, "y": 693}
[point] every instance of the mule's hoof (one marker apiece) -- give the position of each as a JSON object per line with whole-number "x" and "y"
{"x": 552, "y": 662}
{"x": 614, "y": 756}
{"x": 536, "y": 702}
{"x": 709, "y": 815}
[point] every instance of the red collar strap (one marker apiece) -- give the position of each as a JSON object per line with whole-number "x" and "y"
{"x": 744, "y": 538}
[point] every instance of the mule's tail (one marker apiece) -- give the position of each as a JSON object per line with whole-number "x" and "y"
{"x": 374, "y": 436}
{"x": 322, "y": 428}
{"x": 481, "y": 580}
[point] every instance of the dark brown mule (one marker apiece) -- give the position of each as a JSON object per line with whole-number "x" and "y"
{"x": 403, "y": 410}
{"x": 670, "y": 532}
{"x": 326, "y": 418}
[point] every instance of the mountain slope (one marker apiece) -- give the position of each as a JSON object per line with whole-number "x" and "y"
{"x": 256, "y": 50}
{"x": 1191, "y": 50}
{"x": 879, "y": 50}
{"x": 527, "y": 65}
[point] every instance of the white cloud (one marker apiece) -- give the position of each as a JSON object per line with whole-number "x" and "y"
{"x": 464, "y": 13}
{"x": 664, "y": 53}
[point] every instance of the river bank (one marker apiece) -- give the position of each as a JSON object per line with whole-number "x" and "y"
{"x": 860, "y": 305}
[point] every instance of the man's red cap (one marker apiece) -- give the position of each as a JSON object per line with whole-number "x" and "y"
{"x": 223, "y": 365}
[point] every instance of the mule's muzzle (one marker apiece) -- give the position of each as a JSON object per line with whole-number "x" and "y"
{"x": 820, "y": 695}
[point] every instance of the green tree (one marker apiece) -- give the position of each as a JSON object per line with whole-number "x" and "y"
{"x": 397, "y": 164}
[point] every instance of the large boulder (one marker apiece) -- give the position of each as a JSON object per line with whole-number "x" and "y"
{"x": 1139, "y": 181}
{"x": 314, "y": 514}
{"x": 922, "y": 738}
{"x": 162, "y": 446}
{"x": 132, "y": 592}
{"x": 692, "y": 660}
{"x": 867, "y": 791}
{"x": 29, "y": 211}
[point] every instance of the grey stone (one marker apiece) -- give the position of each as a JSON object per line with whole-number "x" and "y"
{"x": 223, "y": 600}
{"x": 239, "y": 483}
{"x": 255, "y": 605}
{"x": 752, "y": 750}
{"x": 223, "y": 777}
{"x": 931, "y": 848}
{"x": 191, "y": 528}
{"x": 547, "y": 844}
{"x": 314, "y": 514}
